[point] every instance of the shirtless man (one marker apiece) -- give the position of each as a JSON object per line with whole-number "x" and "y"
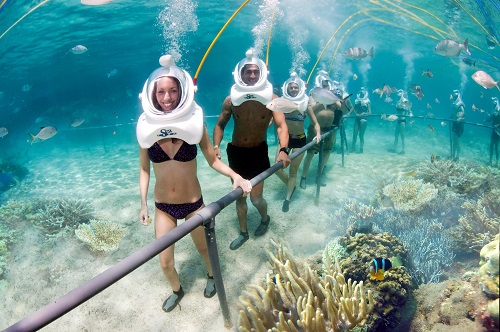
{"x": 325, "y": 115}
{"x": 248, "y": 151}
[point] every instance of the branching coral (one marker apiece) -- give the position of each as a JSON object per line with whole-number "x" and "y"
{"x": 298, "y": 299}
{"x": 360, "y": 210}
{"x": 429, "y": 249}
{"x": 460, "y": 177}
{"x": 100, "y": 235}
{"x": 410, "y": 195}
{"x": 60, "y": 215}
{"x": 481, "y": 221}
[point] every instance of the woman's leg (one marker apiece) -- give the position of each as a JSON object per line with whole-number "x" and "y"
{"x": 164, "y": 223}
{"x": 198, "y": 236}
{"x": 362, "y": 128}
{"x": 292, "y": 178}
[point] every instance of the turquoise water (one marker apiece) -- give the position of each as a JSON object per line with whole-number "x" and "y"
{"x": 42, "y": 83}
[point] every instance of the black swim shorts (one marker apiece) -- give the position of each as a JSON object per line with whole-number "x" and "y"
{"x": 248, "y": 162}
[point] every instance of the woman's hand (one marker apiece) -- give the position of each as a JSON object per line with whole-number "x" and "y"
{"x": 144, "y": 216}
{"x": 243, "y": 184}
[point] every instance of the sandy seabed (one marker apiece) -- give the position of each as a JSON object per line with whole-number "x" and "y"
{"x": 42, "y": 271}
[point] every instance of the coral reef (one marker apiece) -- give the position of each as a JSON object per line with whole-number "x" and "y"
{"x": 390, "y": 294}
{"x": 463, "y": 178}
{"x": 60, "y": 216}
{"x": 295, "y": 298}
{"x": 410, "y": 195}
{"x": 430, "y": 250}
{"x": 480, "y": 222}
{"x": 100, "y": 235}
{"x": 453, "y": 305}
{"x": 489, "y": 274}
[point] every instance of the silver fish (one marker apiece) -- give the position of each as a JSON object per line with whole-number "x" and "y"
{"x": 282, "y": 105}
{"x": 325, "y": 96}
{"x": 448, "y": 47}
{"x": 77, "y": 122}
{"x": 78, "y": 49}
{"x": 484, "y": 80}
{"x": 391, "y": 117}
{"x": 357, "y": 53}
{"x": 44, "y": 134}
{"x": 3, "y": 132}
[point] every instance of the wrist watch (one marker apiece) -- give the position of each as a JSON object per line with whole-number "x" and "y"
{"x": 285, "y": 150}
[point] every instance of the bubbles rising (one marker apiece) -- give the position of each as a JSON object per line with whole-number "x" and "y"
{"x": 269, "y": 14}
{"x": 176, "y": 20}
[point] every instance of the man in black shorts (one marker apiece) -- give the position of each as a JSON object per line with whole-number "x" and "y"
{"x": 248, "y": 151}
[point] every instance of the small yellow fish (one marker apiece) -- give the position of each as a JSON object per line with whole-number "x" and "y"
{"x": 354, "y": 77}
{"x": 474, "y": 107}
{"x": 411, "y": 173}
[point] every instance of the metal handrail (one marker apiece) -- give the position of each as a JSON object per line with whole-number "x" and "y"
{"x": 97, "y": 284}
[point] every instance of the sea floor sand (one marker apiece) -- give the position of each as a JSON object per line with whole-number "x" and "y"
{"x": 43, "y": 271}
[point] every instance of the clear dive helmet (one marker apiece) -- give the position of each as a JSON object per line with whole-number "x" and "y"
{"x": 294, "y": 78}
{"x": 250, "y": 59}
{"x": 167, "y": 69}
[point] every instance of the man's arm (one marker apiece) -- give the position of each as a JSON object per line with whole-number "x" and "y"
{"x": 282, "y": 129}
{"x": 224, "y": 117}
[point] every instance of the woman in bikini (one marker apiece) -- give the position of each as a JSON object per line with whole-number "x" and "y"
{"x": 171, "y": 114}
{"x": 294, "y": 90}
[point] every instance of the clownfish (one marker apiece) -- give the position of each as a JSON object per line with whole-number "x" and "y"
{"x": 378, "y": 266}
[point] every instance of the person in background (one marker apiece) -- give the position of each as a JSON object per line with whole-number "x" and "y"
{"x": 294, "y": 89}
{"x": 457, "y": 126}
{"x": 326, "y": 116}
{"x": 168, "y": 132}
{"x": 403, "y": 109}
{"x": 248, "y": 151}
{"x": 362, "y": 109}
{"x": 494, "y": 118}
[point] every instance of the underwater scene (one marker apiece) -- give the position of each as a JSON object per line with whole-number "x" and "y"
{"x": 398, "y": 232}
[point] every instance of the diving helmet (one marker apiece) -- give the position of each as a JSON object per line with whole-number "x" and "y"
{"x": 250, "y": 59}
{"x": 184, "y": 122}
{"x": 294, "y": 78}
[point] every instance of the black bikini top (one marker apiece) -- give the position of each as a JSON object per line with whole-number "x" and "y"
{"x": 186, "y": 152}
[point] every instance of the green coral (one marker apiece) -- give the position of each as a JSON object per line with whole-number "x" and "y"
{"x": 100, "y": 235}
